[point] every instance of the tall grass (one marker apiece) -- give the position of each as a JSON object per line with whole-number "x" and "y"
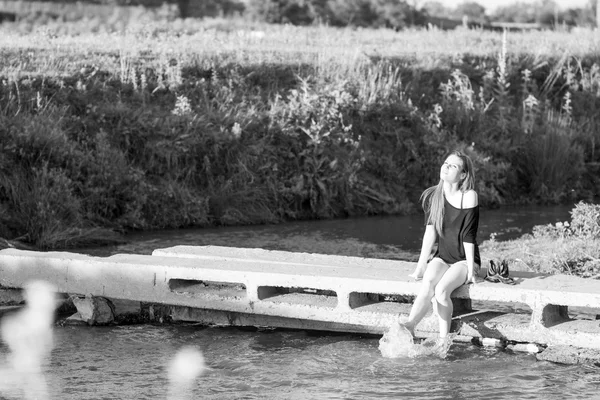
{"x": 194, "y": 124}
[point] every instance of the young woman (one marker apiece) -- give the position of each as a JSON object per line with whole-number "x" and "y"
{"x": 452, "y": 218}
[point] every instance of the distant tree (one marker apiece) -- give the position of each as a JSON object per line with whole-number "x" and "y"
{"x": 207, "y": 8}
{"x": 365, "y": 13}
{"x": 590, "y": 15}
{"x": 394, "y": 13}
{"x": 473, "y": 10}
{"x": 436, "y": 9}
{"x": 547, "y": 13}
{"x": 351, "y": 12}
{"x": 519, "y": 11}
{"x": 374, "y": 13}
{"x": 296, "y": 12}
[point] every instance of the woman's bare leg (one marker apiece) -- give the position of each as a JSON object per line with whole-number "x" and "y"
{"x": 454, "y": 277}
{"x": 434, "y": 272}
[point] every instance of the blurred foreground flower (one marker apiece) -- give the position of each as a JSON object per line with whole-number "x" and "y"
{"x": 184, "y": 368}
{"x": 28, "y": 335}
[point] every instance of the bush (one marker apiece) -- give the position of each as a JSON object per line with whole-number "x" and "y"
{"x": 565, "y": 247}
{"x": 585, "y": 220}
{"x": 549, "y": 166}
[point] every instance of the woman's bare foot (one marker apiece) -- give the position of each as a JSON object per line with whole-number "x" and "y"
{"x": 409, "y": 327}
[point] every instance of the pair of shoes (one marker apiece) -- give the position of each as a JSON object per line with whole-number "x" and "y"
{"x": 492, "y": 273}
{"x": 499, "y": 273}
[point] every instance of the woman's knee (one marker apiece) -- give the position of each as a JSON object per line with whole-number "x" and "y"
{"x": 428, "y": 288}
{"x": 442, "y": 295}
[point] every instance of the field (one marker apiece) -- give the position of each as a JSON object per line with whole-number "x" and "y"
{"x": 198, "y": 123}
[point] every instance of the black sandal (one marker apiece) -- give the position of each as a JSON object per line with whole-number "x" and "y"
{"x": 503, "y": 274}
{"x": 492, "y": 273}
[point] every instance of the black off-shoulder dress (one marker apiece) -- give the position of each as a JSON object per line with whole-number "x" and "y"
{"x": 460, "y": 226}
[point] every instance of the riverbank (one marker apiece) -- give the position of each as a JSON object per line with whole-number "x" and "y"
{"x": 569, "y": 247}
{"x": 180, "y": 125}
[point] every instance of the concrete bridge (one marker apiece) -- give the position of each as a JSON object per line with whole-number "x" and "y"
{"x": 255, "y": 287}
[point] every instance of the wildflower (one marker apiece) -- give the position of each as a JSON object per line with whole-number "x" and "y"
{"x": 434, "y": 117}
{"x": 531, "y": 102}
{"x": 567, "y": 104}
{"x": 502, "y": 61}
{"x": 182, "y": 106}
{"x": 143, "y": 82}
{"x": 236, "y": 130}
{"x": 526, "y": 77}
{"x": 38, "y": 101}
{"x": 530, "y": 107}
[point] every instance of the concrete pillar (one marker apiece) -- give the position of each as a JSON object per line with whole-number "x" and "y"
{"x": 256, "y": 293}
{"x": 10, "y": 297}
{"x": 350, "y": 301}
{"x": 461, "y": 306}
{"x": 546, "y": 315}
{"x": 94, "y": 310}
{"x": 343, "y": 301}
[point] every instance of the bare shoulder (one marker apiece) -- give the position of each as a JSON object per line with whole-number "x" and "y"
{"x": 470, "y": 199}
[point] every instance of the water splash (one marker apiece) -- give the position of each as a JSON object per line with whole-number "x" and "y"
{"x": 398, "y": 342}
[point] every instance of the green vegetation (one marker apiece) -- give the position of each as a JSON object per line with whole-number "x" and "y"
{"x": 396, "y": 14}
{"x": 571, "y": 248}
{"x": 189, "y": 123}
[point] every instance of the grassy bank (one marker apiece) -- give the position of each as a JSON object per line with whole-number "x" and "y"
{"x": 568, "y": 247}
{"x": 198, "y": 124}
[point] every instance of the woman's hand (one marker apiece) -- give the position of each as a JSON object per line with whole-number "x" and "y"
{"x": 471, "y": 276}
{"x": 419, "y": 271}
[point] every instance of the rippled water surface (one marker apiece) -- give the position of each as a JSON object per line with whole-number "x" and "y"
{"x": 129, "y": 362}
{"x": 397, "y": 237}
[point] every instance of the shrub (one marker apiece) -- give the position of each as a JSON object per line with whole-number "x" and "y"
{"x": 585, "y": 220}
{"x": 564, "y": 247}
{"x": 324, "y": 153}
{"x": 549, "y": 164}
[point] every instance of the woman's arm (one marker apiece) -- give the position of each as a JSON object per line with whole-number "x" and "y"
{"x": 429, "y": 238}
{"x": 470, "y": 256}
{"x": 470, "y": 201}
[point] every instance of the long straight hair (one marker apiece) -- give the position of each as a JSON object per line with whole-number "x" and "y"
{"x": 432, "y": 198}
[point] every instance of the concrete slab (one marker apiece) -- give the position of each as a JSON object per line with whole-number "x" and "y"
{"x": 9, "y": 309}
{"x": 542, "y": 293}
{"x": 10, "y": 296}
{"x": 562, "y": 289}
{"x": 320, "y": 291}
{"x": 570, "y": 355}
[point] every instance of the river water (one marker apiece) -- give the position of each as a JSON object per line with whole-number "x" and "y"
{"x": 130, "y": 362}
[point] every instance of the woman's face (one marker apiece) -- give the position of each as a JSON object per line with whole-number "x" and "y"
{"x": 452, "y": 170}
